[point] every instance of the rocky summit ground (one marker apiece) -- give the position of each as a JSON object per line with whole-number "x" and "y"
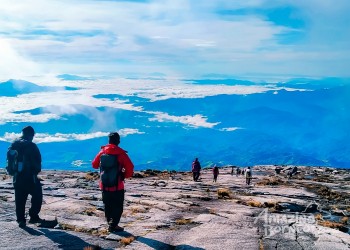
{"x": 168, "y": 210}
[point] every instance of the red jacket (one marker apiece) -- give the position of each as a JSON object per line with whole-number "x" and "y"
{"x": 124, "y": 162}
{"x": 196, "y": 166}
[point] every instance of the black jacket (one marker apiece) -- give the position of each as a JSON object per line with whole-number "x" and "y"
{"x": 29, "y": 154}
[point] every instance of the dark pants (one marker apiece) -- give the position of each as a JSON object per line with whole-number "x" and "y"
{"x": 114, "y": 202}
{"x": 247, "y": 180}
{"x": 22, "y": 190}
{"x": 215, "y": 177}
{"x": 195, "y": 176}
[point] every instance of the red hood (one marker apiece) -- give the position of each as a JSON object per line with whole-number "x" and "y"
{"x": 112, "y": 149}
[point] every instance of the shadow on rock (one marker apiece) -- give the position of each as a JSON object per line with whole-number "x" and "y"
{"x": 156, "y": 244}
{"x": 48, "y": 223}
{"x": 65, "y": 240}
{"x": 32, "y": 231}
{"x": 161, "y": 245}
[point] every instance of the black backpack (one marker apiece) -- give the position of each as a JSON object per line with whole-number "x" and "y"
{"x": 109, "y": 170}
{"x": 12, "y": 161}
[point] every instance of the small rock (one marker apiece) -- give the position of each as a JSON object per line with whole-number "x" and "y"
{"x": 59, "y": 194}
{"x": 291, "y": 207}
{"x": 114, "y": 237}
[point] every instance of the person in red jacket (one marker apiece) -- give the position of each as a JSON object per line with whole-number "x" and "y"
{"x": 113, "y": 196}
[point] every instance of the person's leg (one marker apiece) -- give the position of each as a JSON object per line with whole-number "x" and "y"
{"x": 37, "y": 199}
{"x": 21, "y": 195}
{"x": 194, "y": 174}
{"x": 107, "y": 201}
{"x": 117, "y": 207}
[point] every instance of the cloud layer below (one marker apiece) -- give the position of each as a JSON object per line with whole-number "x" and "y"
{"x": 120, "y": 92}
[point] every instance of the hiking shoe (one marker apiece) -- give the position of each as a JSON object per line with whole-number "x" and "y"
{"x": 115, "y": 229}
{"x": 22, "y": 224}
{"x": 35, "y": 220}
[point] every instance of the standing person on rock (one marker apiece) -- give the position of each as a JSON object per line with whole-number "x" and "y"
{"x": 115, "y": 165}
{"x": 196, "y": 169}
{"x": 238, "y": 171}
{"x": 292, "y": 172}
{"x": 248, "y": 175}
{"x": 215, "y": 173}
{"x": 24, "y": 164}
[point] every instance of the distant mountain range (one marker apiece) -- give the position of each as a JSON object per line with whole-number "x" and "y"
{"x": 286, "y": 127}
{"x": 18, "y": 87}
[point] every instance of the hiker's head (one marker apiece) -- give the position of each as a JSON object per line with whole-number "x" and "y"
{"x": 114, "y": 138}
{"x": 248, "y": 167}
{"x": 28, "y": 132}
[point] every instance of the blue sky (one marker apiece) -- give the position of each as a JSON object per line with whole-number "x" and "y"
{"x": 174, "y": 38}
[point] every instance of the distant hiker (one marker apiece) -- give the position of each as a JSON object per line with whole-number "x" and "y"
{"x": 24, "y": 164}
{"x": 232, "y": 169}
{"x": 248, "y": 175}
{"x": 196, "y": 169}
{"x": 215, "y": 173}
{"x": 292, "y": 172}
{"x": 238, "y": 171}
{"x": 278, "y": 170}
{"x": 115, "y": 165}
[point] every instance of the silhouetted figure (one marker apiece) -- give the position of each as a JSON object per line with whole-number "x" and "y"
{"x": 25, "y": 170}
{"x": 115, "y": 165}
{"x": 278, "y": 170}
{"x": 248, "y": 175}
{"x": 292, "y": 172}
{"x": 196, "y": 169}
{"x": 215, "y": 173}
{"x": 238, "y": 171}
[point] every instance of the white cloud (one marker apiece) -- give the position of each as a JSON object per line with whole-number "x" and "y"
{"x": 129, "y": 131}
{"x": 55, "y": 104}
{"x": 26, "y": 117}
{"x": 14, "y": 64}
{"x": 230, "y": 129}
{"x": 186, "y": 38}
{"x": 171, "y": 88}
{"x": 60, "y": 137}
{"x": 192, "y": 121}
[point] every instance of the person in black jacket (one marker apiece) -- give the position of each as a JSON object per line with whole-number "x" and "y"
{"x": 196, "y": 169}
{"x": 25, "y": 179}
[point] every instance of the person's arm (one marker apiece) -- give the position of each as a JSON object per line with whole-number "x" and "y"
{"x": 96, "y": 160}
{"x": 35, "y": 158}
{"x": 127, "y": 165}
